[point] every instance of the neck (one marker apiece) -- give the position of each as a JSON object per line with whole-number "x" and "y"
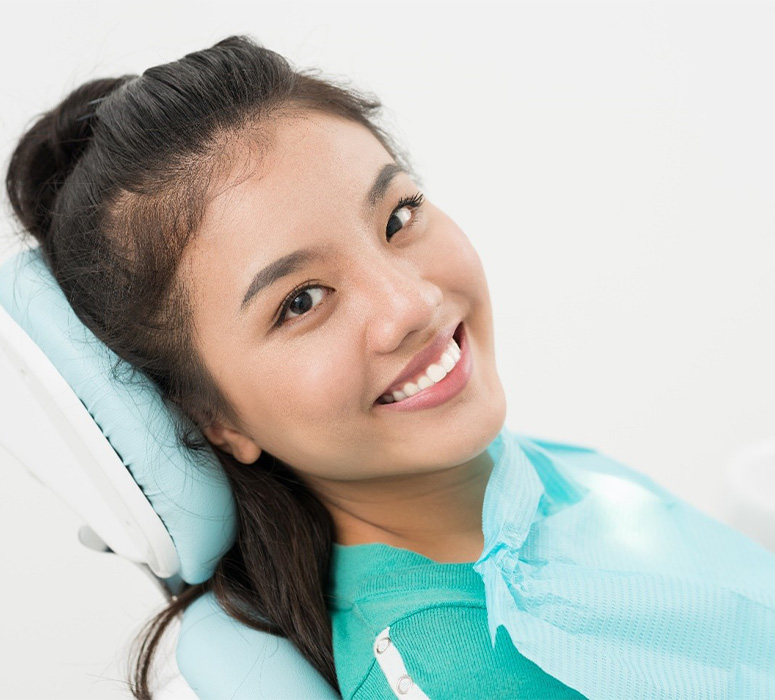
{"x": 436, "y": 514}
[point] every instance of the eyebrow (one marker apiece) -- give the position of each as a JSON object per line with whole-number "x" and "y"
{"x": 382, "y": 182}
{"x": 288, "y": 264}
{"x": 282, "y": 267}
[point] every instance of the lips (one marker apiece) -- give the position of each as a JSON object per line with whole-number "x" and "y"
{"x": 425, "y": 357}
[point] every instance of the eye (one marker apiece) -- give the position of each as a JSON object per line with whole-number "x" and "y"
{"x": 402, "y": 214}
{"x": 300, "y": 301}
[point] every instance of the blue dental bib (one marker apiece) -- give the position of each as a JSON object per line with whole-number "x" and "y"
{"x": 618, "y": 588}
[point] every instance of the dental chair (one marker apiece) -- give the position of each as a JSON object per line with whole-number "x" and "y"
{"x": 108, "y": 447}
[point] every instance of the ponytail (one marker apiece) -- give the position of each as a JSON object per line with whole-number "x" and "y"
{"x": 48, "y": 153}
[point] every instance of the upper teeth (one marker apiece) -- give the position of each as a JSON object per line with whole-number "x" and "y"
{"x": 431, "y": 375}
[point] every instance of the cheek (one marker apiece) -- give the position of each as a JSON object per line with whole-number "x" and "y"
{"x": 320, "y": 381}
{"x": 463, "y": 269}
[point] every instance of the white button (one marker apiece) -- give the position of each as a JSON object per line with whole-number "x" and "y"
{"x": 404, "y": 684}
{"x": 383, "y": 644}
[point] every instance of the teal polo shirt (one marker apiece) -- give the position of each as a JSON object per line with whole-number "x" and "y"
{"x": 437, "y": 620}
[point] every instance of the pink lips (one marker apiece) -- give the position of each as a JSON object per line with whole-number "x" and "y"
{"x": 443, "y": 391}
{"x": 425, "y": 357}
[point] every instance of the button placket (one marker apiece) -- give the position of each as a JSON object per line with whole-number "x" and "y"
{"x": 392, "y": 665}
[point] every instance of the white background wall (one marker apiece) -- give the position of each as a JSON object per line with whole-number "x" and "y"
{"x": 613, "y": 163}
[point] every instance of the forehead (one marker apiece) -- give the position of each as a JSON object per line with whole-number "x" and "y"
{"x": 296, "y": 157}
{"x": 274, "y": 176}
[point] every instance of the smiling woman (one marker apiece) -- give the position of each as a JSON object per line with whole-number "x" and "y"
{"x": 247, "y": 236}
{"x": 277, "y": 272}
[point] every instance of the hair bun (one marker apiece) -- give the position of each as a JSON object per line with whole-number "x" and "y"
{"x": 49, "y": 151}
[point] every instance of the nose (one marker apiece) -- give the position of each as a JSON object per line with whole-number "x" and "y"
{"x": 404, "y": 302}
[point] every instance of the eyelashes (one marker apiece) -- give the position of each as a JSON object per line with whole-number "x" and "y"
{"x": 295, "y": 292}
{"x": 412, "y": 203}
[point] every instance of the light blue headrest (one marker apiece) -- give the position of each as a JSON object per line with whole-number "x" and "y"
{"x": 222, "y": 658}
{"x": 188, "y": 491}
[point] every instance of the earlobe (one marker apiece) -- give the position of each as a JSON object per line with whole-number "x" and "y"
{"x": 237, "y": 444}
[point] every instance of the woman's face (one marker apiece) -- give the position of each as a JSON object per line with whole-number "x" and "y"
{"x": 383, "y": 282}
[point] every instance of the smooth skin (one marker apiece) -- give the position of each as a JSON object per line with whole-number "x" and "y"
{"x": 305, "y": 391}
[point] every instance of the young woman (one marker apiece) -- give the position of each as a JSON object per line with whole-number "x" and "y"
{"x": 247, "y": 236}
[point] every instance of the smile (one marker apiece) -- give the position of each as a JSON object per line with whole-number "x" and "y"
{"x": 431, "y": 375}
{"x": 437, "y": 383}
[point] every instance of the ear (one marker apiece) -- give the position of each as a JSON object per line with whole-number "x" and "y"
{"x": 232, "y": 441}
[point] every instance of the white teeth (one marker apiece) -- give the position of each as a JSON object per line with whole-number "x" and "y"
{"x": 410, "y": 389}
{"x": 436, "y": 373}
{"x": 447, "y": 362}
{"x": 432, "y": 375}
{"x": 424, "y": 382}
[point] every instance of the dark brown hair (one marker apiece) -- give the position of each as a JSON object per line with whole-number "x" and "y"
{"x": 113, "y": 183}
